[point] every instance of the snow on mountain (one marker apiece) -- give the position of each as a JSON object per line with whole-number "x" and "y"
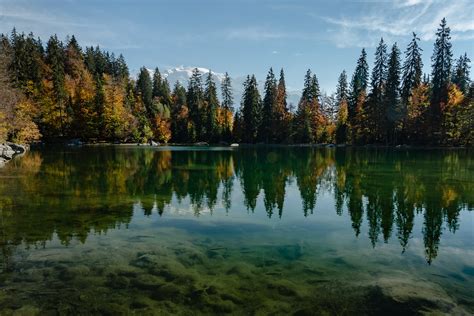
{"x": 183, "y": 73}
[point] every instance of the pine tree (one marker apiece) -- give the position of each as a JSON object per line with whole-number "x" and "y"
{"x": 342, "y": 128}
{"x": 461, "y": 74}
{"x": 251, "y": 110}
{"x": 145, "y": 89}
{"x": 440, "y": 76}
{"x": 122, "y": 68}
{"x": 266, "y": 134}
{"x": 412, "y": 70}
{"x": 358, "y": 92}
{"x": 195, "y": 104}
{"x": 375, "y": 106}
{"x": 227, "y": 105}
{"x": 282, "y": 118}
{"x": 393, "y": 111}
{"x": 212, "y": 106}
{"x": 180, "y": 124}
{"x": 308, "y": 116}
{"x": 55, "y": 60}
{"x": 156, "y": 83}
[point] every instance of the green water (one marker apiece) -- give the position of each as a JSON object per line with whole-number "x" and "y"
{"x": 256, "y": 231}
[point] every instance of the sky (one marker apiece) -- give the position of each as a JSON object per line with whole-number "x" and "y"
{"x": 246, "y": 36}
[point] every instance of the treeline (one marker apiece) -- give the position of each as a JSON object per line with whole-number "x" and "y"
{"x": 62, "y": 91}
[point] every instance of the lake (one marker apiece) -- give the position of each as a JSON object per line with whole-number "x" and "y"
{"x": 247, "y": 231}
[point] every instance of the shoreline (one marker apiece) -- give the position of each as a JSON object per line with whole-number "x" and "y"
{"x": 243, "y": 145}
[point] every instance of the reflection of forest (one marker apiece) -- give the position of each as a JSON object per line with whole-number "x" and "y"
{"x": 72, "y": 193}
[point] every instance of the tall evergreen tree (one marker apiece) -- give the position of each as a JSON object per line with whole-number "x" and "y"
{"x": 55, "y": 60}
{"x": 145, "y": 89}
{"x": 156, "y": 83}
{"x": 342, "y": 88}
{"x": 281, "y": 122}
{"x": 266, "y": 134}
{"x": 393, "y": 111}
{"x": 359, "y": 83}
{"x": 309, "y": 113}
{"x": 227, "y": 105}
{"x": 195, "y": 101}
{"x": 461, "y": 74}
{"x": 342, "y": 128}
{"x": 212, "y": 105}
{"x": 412, "y": 70}
{"x": 375, "y": 107}
{"x": 251, "y": 110}
{"x": 358, "y": 92}
{"x": 440, "y": 76}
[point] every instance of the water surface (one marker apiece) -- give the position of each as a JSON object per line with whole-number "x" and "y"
{"x": 306, "y": 231}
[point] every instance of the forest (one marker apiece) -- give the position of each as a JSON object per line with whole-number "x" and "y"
{"x": 62, "y": 91}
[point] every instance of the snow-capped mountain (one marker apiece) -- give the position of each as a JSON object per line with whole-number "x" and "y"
{"x": 183, "y": 73}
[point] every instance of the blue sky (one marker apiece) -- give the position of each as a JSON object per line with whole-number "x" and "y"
{"x": 244, "y": 36}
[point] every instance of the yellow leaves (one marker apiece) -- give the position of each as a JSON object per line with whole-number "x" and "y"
{"x": 116, "y": 118}
{"x": 455, "y": 96}
{"x": 3, "y": 127}
{"x": 24, "y": 129}
{"x": 162, "y": 130}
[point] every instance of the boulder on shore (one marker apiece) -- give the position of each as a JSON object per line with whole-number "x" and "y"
{"x": 9, "y": 150}
{"x": 19, "y": 149}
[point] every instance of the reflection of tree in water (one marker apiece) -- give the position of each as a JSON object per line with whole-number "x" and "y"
{"x": 392, "y": 185}
{"x": 73, "y": 193}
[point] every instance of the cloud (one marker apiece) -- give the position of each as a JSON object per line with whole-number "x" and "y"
{"x": 28, "y": 16}
{"x": 254, "y": 34}
{"x": 397, "y": 19}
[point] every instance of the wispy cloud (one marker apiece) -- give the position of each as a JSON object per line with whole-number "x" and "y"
{"x": 399, "y": 18}
{"x": 254, "y": 34}
{"x": 23, "y": 14}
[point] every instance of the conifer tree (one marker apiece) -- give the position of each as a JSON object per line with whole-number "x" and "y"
{"x": 156, "y": 83}
{"x": 251, "y": 110}
{"x": 393, "y": 111}
{"x": 55, "y": 60}
{"x": 342, "y": 128}
{"x": 308, "y": 116}
{"x": 227, "y": 105}
{"x": 266, "y": 134}
{"x": 145, "y": 89}
{"x": 412, "y": 70}
{"x": 196, "y": 108}
{"x": 212, "y": 106}
{"x": 461, "y": 74}
{"x": 375, "y": 107}
{"x": 281, "y": 123}
{"x": 180, "y": 124}
{"x": 357, "y": 95}
{"x": 440, "y": 77}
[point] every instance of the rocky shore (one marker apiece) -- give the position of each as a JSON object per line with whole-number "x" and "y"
{"x": 9, "y": 150}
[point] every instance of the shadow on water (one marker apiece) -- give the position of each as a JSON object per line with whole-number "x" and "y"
{"x": 72, "y": 194}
